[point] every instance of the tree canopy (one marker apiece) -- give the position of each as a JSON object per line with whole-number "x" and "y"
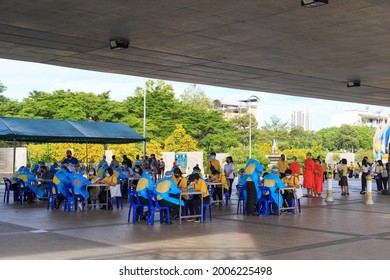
{"x": 187, "y": 122}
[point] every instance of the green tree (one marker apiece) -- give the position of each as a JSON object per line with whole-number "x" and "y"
{"x": 328, "y": 137}
{"x": 194, "y": 96}
{"x": 348, "y": 138}
{"x": 162, "y": 110}
{"x": 366, "y": 134}
{"x": 2, "y": 88}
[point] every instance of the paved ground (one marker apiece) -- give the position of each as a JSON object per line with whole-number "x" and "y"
{"x": 346, "y": 229}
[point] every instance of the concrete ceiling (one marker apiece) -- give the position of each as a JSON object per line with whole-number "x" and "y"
{"x": 269, "y": 45}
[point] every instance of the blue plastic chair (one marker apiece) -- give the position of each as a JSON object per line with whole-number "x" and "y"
{"x": 205, "y": 206}
{"x": 241, "y": 200}
{"x": 135, "y": 204}
{"x": 52, "y": 195}
{"x": 72, "y": 199}
{"x": 153, "y": 198}
{"x": 8, "y": 189}
{"x": 266, "y": 202}
{"x": 23, "y": 189}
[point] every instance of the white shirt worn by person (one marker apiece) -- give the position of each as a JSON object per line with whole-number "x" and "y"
{"x": 227, "y": 168}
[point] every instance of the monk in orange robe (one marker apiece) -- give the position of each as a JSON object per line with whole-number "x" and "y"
{"x": 308, "y": 175}
{"x": 295, "y": 167}
{"x": 318, "y": 178}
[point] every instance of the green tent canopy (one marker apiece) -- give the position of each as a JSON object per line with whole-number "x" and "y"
{"x": 51, "y": 131}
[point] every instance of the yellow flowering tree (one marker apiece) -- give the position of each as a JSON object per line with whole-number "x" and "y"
{"x": 180, "y": 141}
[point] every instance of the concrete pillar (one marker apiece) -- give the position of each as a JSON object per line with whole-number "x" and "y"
{"x": 369, "y": 200}
{"x": 329, "y": 192}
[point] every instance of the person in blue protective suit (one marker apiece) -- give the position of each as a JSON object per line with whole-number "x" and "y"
{"x": 144, "y": 183}
{"x": 167, "y": 195}
{"x": 24, "y": 173}
{"x": 274, "y": 183}
{"x": 253, "y": 170}
{"x": 65, "y": 180}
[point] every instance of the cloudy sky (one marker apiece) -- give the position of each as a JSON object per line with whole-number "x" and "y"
{"x": 22, "y": 77}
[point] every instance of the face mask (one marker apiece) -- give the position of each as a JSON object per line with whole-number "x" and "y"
{"x": 90, "y": 172}
{"x": 293, "y": 160}
{"x": 288, "y": 176}
{"x": 177, "y": 176}
{"x": 212, "y": 157}
{"x": 108, "y": 174}
{"x": 282, "y": 158}
{"x": 191, "y": 184}
{"x": 68, "y": 156}
{"x": 216, "y": 176}
{"x": 136, "y": 170}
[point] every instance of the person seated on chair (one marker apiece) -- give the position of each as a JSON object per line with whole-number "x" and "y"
{"x": 194, "y": 202}
{"x": 144, "y": 184}
{"x": 93, "y": 192}
{"x": 179, "y": 180}
{"x": 111, "y": 180}
{"x": 274, "y": 183}
{"x": 167, "y": 193}
{"x": 291, "y": 182}
{"x": 219, "y": 178}
{"x": 45, "y": 175}
{"x": 241, "y": 178}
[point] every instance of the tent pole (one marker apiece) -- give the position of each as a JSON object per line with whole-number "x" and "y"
{"x": 48, "y": 151}
{"x": 145, "y": 123}
{"x": 86, "y": 157}
{"x": 14, "y": 163}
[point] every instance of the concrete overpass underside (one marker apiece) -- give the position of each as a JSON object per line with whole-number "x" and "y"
{"x": 271, "y": 46}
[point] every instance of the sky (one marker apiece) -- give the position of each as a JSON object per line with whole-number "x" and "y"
{"x": 20, "y": 78}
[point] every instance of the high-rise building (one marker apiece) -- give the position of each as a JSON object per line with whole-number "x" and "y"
{"x": 302, "y": 118}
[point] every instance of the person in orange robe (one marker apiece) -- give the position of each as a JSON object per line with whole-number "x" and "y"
{"x": 308, "y": 175}
{"x": 318, "y": 178}
{"x": 295, "y": 167}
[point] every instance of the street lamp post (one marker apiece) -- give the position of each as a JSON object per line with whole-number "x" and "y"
{"x": 252, "y": 98}
{"x": 145, "y": 123}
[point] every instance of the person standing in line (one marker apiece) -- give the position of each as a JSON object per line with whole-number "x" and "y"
{"x": 325, "y": 166}
{"x": 318, "y": 178}
{"x": 366, "y": 169}
{"x": 282, "y": 165}
{"x": 344, "y": 178}
{"x": 138, "y": 162}
{"x": 378, "y": 175}
{"x": 229, "y": 173}
{"x": 295, "y": 167}
{"x": 308, "y": 175}
{"x": 114, "y": 163}
{"x": 162, "y": 167}
{"x": 385, "y": 175}
{"x": 127, "y": 161}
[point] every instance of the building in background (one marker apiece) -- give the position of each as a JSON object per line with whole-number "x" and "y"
{"x": 236, "y": 109}
{"x": 302, "y": 118}
{"x": 359, "y": 117}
